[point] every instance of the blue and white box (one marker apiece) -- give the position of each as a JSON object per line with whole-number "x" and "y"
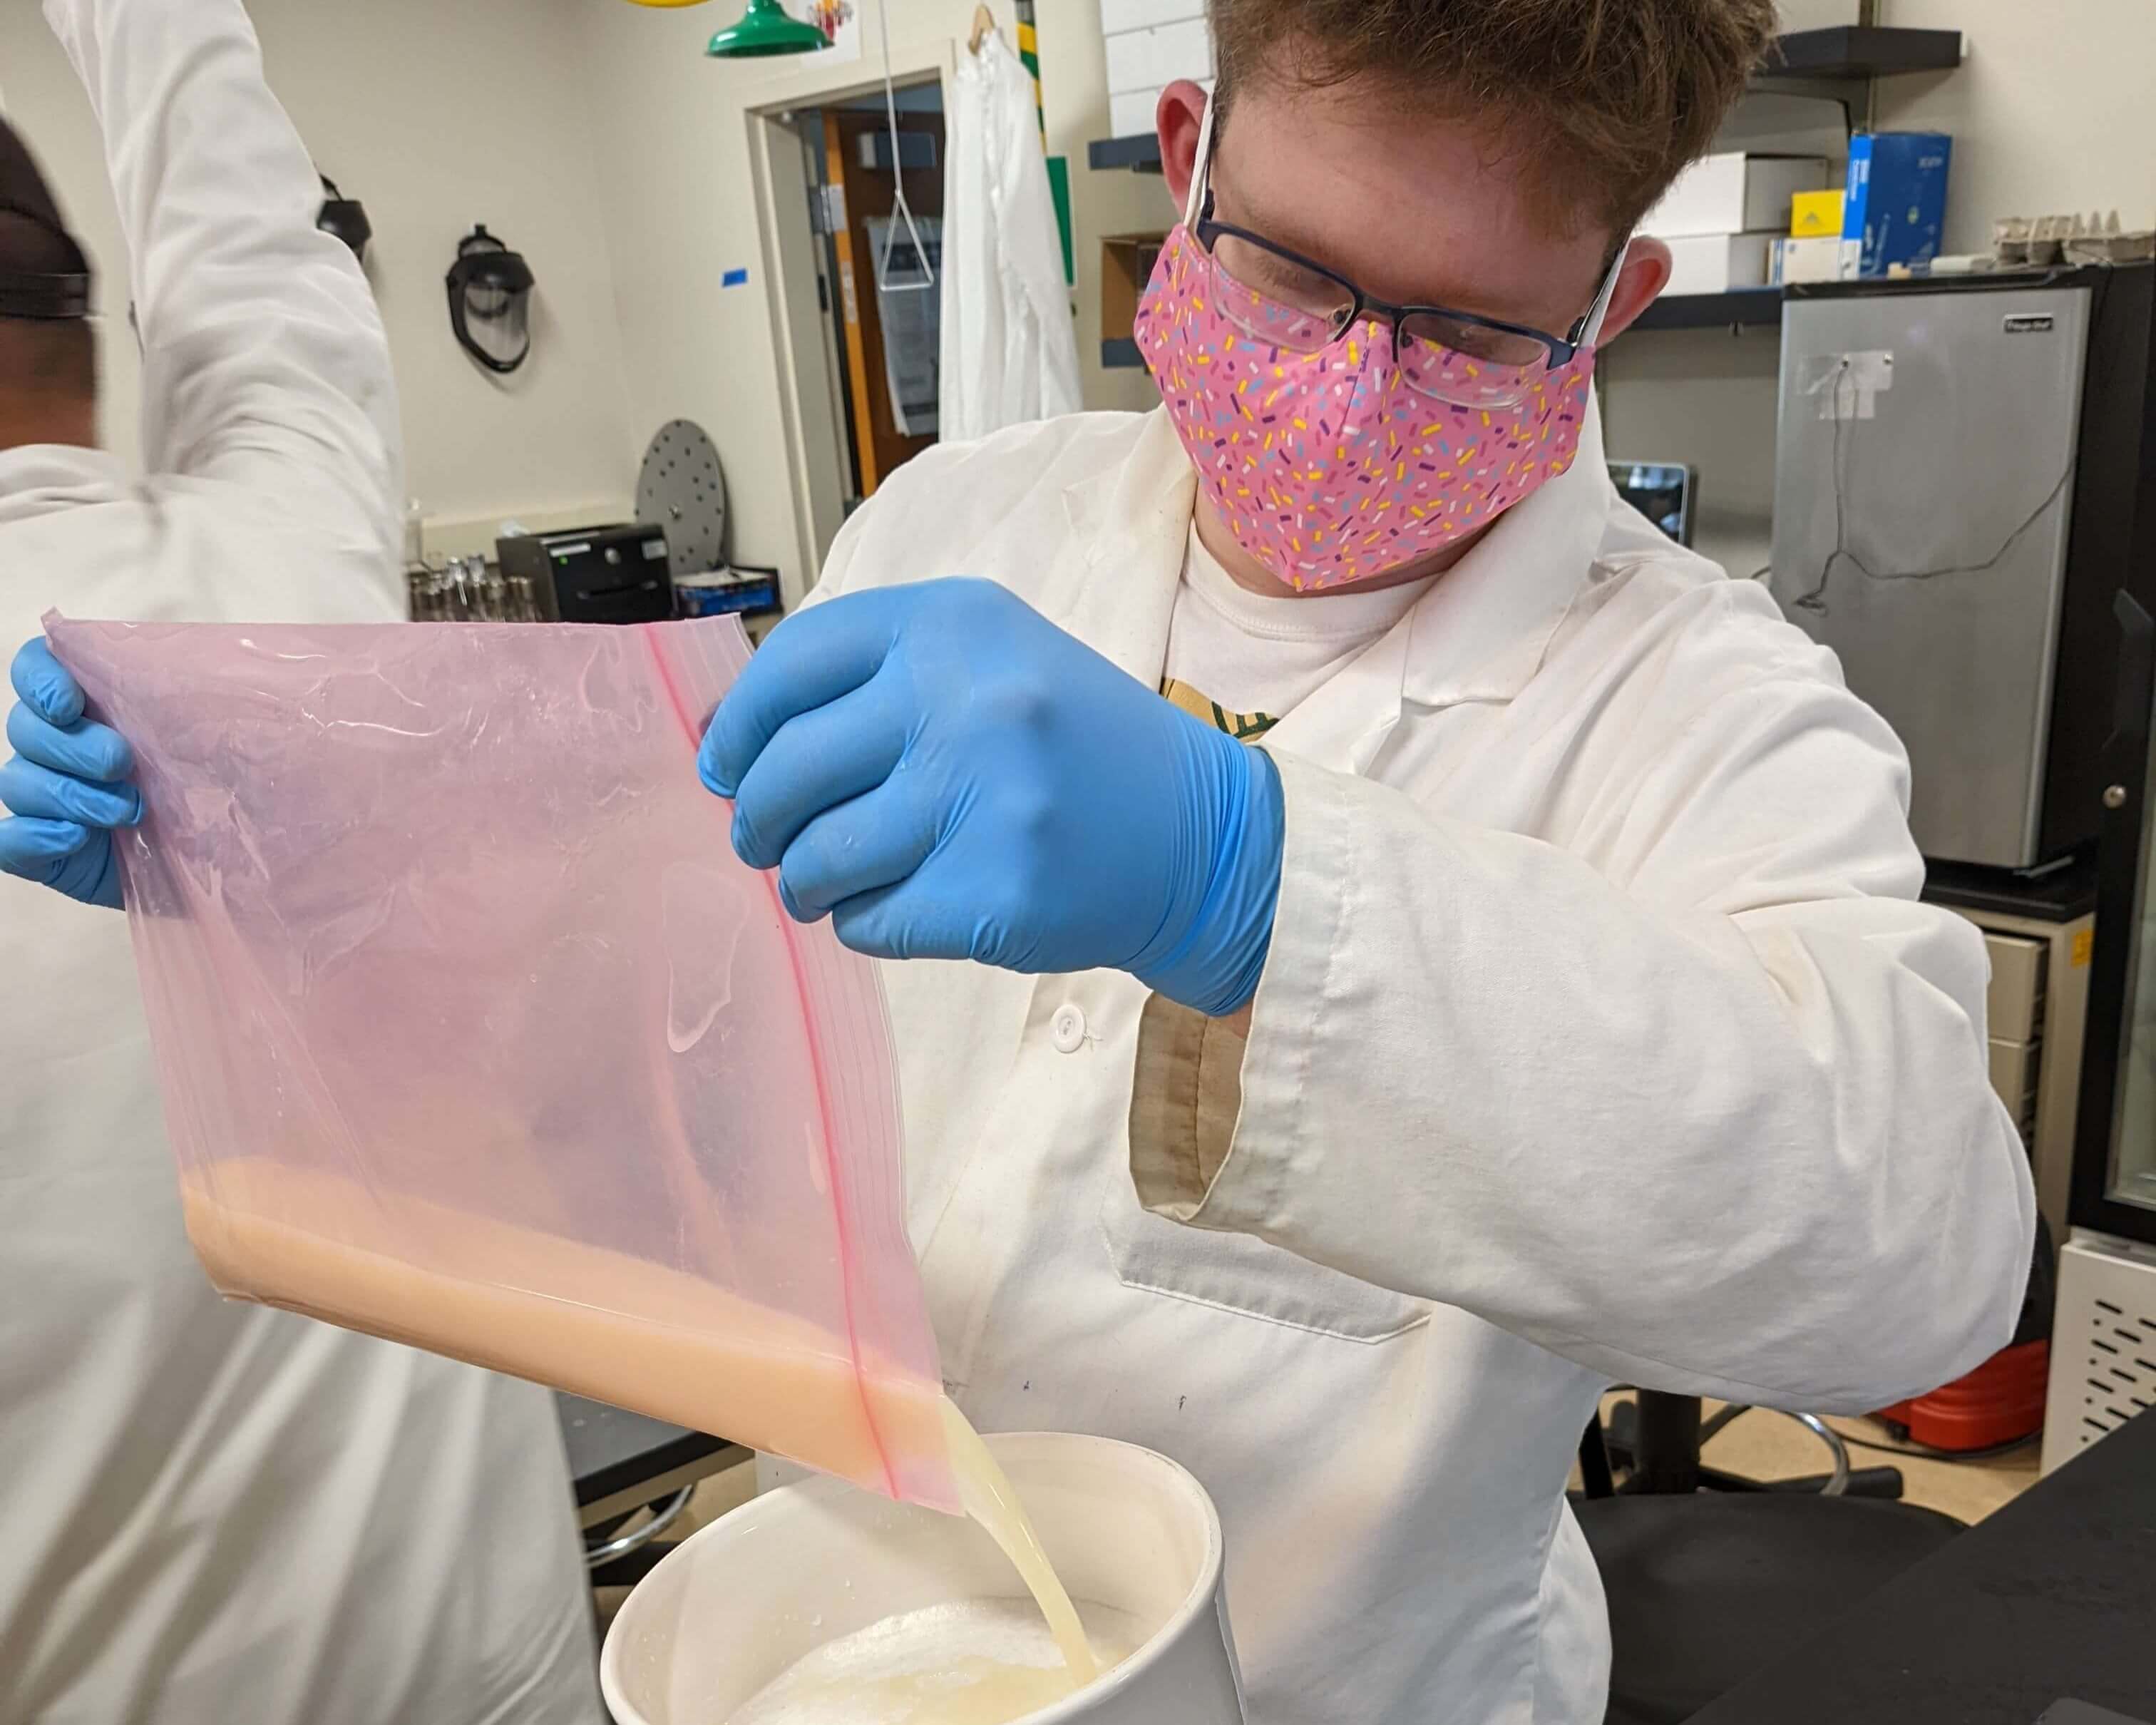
{"x": 1896, "y": 206}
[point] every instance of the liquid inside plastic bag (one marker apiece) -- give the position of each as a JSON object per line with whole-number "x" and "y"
{"x": 473, "y": 1033}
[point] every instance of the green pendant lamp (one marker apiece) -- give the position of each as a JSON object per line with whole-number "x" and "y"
{"x": 765, "y": 29}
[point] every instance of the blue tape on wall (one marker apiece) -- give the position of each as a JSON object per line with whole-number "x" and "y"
{"x": 734, "y": 278}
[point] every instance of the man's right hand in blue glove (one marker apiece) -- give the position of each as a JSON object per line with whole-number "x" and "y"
{"x": 66, "y": 788}
{"x": 949, "y": 775}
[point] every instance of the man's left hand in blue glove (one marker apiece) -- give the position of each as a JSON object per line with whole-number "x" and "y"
{"x": 948, "y": 775}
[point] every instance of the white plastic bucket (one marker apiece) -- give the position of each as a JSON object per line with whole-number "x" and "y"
{"x": 741, "y": 1601}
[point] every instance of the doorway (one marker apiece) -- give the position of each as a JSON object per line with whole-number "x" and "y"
{"x": 879, "y": 293}
{"x": 844, "y": 435}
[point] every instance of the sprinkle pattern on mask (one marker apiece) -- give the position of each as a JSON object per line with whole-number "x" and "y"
{"x": 1327, "y": 467}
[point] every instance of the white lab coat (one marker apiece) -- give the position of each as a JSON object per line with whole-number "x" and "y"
{"x": 1601, "y": 1038}
{"x": 215, "y": 1514}
{"x": 1008, "y": 352}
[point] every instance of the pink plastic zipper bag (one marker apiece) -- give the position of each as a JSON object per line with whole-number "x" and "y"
{"x": 473, "y": 1033}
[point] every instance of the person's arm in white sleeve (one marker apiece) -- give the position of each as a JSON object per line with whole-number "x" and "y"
{"x": 1719, "y": 1126}
{"x": 264, "y": 363}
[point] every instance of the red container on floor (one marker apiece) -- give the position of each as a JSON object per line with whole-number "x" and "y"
{"x": 2000, "y": 1402}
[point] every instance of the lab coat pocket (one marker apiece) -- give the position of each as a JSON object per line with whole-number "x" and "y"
{"x": 1240, "y": 1273}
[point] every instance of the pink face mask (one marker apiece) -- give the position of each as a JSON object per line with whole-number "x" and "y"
{"x": 1333, "y": 448}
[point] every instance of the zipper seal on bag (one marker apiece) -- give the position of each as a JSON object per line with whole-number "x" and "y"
{"x": 831, "y": 1170}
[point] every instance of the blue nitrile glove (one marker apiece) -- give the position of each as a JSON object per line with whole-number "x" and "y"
{"x": 951, "y": 776}
{"x": 65, "y": 786}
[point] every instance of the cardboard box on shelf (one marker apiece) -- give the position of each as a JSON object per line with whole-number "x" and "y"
{"x": 1814, "y": 214}
{"x": 1146, "y": 59}
{"x": 1715, "y": 262}
{"x": 1734, "y": 193}
{"x": 1117, "y": 16}
{"x": 1895, "y": 203}
{"x": 1814, "y": 258}
{"x": 1127, "y": 262}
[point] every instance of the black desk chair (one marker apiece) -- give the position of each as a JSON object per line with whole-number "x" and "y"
{"x": 1711, "y": 1576}
{"x": 633, "y": 1480}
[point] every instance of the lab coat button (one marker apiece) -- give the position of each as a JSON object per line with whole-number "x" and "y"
{"x": 1068, "y": 1028}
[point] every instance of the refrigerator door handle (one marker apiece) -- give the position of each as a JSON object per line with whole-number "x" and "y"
{"x": 2135, "y": 695}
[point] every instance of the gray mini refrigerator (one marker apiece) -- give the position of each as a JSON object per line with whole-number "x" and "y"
{"x": 1956, "y": 468}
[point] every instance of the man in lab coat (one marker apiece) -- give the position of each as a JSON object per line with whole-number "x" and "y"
{"x": 213, "y": 1514}
{"x": 1544, "y": 1001}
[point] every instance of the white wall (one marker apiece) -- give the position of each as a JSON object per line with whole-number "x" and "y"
{"x": 1074, "y": 77}
{"x": 1817, "y": 14}
{"x": 435, "y": 117}
{"x": 597, "y": 138}
{"x": 1707, "y": 398}
{"x": 682, "y": 212}
{"x": 2049, "y": 110}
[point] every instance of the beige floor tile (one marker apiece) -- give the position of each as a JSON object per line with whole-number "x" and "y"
{"x": 1763, "y": 1446}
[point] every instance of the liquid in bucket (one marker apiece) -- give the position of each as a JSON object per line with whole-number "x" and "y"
{"x": 970, "y": 1662}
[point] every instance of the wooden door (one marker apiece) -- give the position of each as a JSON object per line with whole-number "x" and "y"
{"x": 870, "y": 191}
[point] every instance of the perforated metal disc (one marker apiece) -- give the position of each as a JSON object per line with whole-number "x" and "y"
{"x": 682, "y": 488}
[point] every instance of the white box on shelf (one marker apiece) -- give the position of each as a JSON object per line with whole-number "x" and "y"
{"x": 1715, "y": 262}
{"x": 1117, "y": 16}
{"x": 1146, "y": 59}
{"x": 1818, "y": 259}
{"x": 1735, "y": 193}
{"x": 1132, "y": 113}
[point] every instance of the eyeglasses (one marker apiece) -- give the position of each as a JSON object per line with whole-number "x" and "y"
{"x": 1291, "y": 302}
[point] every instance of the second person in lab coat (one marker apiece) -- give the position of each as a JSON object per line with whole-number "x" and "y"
{"x": 212, "y": 1514}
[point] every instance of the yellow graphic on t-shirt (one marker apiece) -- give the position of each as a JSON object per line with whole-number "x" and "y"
{"x": 1248, "y": 727}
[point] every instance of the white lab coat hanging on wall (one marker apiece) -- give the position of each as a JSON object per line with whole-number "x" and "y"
{"x": 1009, "y": 351}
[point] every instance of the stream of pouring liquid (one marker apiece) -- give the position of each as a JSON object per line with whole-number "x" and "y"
{"x": 989, "y": 1500}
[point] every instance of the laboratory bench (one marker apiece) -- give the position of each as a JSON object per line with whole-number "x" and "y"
{"x": 2051, "y": 1599}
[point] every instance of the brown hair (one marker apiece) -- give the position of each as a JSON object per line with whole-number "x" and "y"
{"x": 1608, "y": 99}
{"x": 54, "y": 359}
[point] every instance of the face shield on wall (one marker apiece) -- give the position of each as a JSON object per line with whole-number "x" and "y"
{"x": 344, "y": 216}
{"x": 489, "y": 300}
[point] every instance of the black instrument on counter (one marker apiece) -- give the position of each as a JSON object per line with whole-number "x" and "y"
{"x": 1660, "y": 490}
{"x": 608, "y": 574}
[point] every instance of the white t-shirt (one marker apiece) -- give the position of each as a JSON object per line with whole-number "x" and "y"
{"x": 1242, "y": 660}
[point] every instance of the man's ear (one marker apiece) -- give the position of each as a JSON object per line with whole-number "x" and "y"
{"x": 1645, "y": 274}
{"x": 1181, "y": 112}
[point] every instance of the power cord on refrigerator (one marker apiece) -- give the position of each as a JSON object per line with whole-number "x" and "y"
{"x": 1814, "y": 599}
